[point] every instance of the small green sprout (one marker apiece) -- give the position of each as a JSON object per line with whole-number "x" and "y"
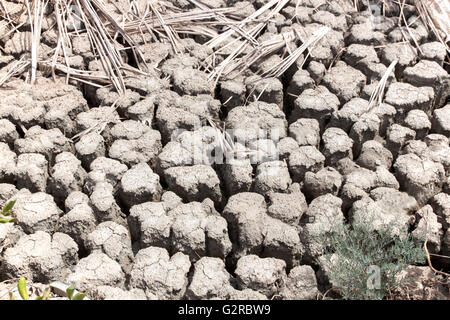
{"x": 45, "y": 294}
{"x": 70, "y": 293}
{"x": 23, "y": 292}
{"x": 22, "y": 287}
{"x": 5, "y": 213}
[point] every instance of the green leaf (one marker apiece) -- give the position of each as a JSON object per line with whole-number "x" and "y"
{"x": 70, "y": 290}
{"x": 22, "y": 286}
{"x": 79, "y": 296}
{"x": 45, "y": 294}
{"x": 6, "y": 220}
{"x": 8, "y": 207}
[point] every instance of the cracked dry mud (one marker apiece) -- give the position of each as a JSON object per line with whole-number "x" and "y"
{"x": 141, "y": 206}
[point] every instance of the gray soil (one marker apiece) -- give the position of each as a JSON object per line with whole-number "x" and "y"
{"x": 126, "y": 211}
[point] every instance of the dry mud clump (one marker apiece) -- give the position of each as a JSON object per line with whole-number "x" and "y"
{"x": 133, "y": 196}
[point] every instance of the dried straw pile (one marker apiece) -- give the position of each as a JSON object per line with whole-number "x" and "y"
{"x": 227, "y": 33}
{"x": 109, "y": 34}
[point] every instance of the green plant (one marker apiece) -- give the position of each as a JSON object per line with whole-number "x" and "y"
{"x": 22, "y": 287}
{"x": 363, "y": 264}
{"x": 5, "y": 213}
{"x": 70, "y": 293}
{"x": 23, "y": 292}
